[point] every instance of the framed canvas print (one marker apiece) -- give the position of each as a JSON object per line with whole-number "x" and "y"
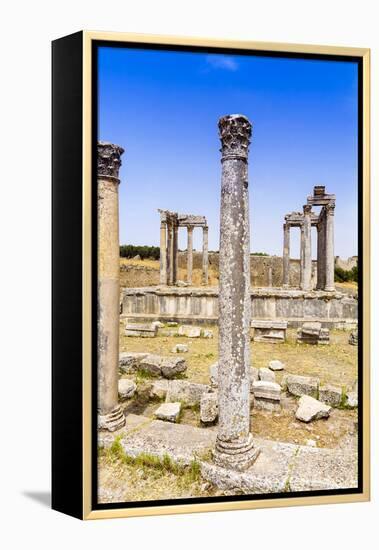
{"x": 210, "y": 275}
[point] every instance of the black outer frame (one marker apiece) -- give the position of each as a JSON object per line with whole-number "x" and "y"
{"x": 67, "y": 133}
{"x": 67, "y": 413}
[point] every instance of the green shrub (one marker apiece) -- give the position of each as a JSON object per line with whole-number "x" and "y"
{"x": 130, "y": 250}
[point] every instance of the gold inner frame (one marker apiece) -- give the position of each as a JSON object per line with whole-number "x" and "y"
{"x": 364, "y": 53}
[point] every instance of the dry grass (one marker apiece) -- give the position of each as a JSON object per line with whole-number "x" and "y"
{"x": 334, "y": 364}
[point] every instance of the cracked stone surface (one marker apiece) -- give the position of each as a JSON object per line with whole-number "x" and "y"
{"x": 168, "y": 411}
{"x": 280, "y": 467}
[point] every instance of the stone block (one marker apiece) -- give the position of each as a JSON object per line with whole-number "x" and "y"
{"x": 302, "y": 385}
{"x": 311, "y": 409}
{"x": 331, "y": 395}
{"x": 266, "y": 390}
{"x": 189, "y": 331}
{"x": 353, "y": 338}
{"x": 269, "y": 331}
{"x": 352, "y": 399}
{"x": 143, "y": 331}
{"x": 188, "y": 392}
{"x": 168, "y": 411}
{"x": 129, "y": 362}
{"x": 157, "y": 324}
{"x": 276, "y": 365}
{"x": 151, "y": 364}
{"x": 159, "y": 389}
{"x": 209, "y": 408}
{"x": 126, "y": 388}
{"x": 312, "y": 333}
{"x": 311, "y": 328}
{"x": 170, "y": 366}
{"x": 180, "y": 348}
{"x": 266, "y": 375}
{"x": 207, "y": 333}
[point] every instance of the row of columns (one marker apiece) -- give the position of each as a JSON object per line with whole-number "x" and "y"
{"x": 169, "y": 253}
{"x": 325, "y": 249}
{"x": 235, "y": 447}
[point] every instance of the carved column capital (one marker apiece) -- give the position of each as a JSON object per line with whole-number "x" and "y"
{"x": 235, "y": 134}
{"x": 329, "y": 208}
{"x": 307, "y": 209}
{"x": 108, "y": 159}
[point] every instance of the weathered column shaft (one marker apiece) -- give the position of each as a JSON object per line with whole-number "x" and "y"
{"x": 234, "y": 445}
{"x": 189, "y": 254}
{"x": 269, "y": 275}
{"x": 320, "y": 254}
{"x": 329, "y": 256}
{"x": 301, "y": 255}
{"x": 307, "y": 249}
{"x": 110, "y": 415}
{"x": 286, "y": 255}
{"x": 169, "y": 254}
{"x": 163, "y": 256}
{"x": 205, "y": 255}
{"x": 175, "y": 254}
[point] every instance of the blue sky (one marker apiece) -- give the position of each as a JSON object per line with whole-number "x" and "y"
{"x": 163, "y": 108}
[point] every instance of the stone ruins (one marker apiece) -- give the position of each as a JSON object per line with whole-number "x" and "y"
{"x": 170, "y": 223}
{"x": 235, "y": 386}
{"x": 325, "y": 241}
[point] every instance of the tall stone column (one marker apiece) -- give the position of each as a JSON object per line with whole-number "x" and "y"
{"x": 170, "y": 256}
{"x": 307, "y": 250}
{"x": 235, "y": 448}
{"x": 269, "y": 275}
{"x": 110, "y": 414}
{"x": 163, "y": 256}
{"x": 320, "y": 254}
{"x": 189, "y": 254}
{"x": 175, "y": 254}
{"x": 205, "y": 255}
{"x": 329, "y": 255}
{"x": 286, "y": 255}
{"x": 301, "y": 255}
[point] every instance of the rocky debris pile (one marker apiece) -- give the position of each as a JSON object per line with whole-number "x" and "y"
{"x": 311, "y": 409}
{"x": 141, "y": 330}
{"x": 209, "y": 408}
{"x": 180, "y": 348}
{"x": 155, "y": 365}
{"x": 126, "y": 388}
{"x": 276, "y": 365}
{"x": 266, "y": 395}
{"x": 301, "y": 385}
{"x": 353, "y": 338}
{"x": 168, "y": 411}
{"x": 312, "y": 333}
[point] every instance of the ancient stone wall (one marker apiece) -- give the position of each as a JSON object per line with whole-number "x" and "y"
{"x": 138, "y": 275}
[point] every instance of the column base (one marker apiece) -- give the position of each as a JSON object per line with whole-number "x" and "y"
{"x": 329, "y": 289}
{"x": 112, "y": 421}
{"x": 236, "y": 456}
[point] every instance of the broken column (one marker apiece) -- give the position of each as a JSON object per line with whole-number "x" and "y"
{"x": 329, "y": 247}
{"x": 163, "y": 256}
{"x": 175, "y": 254}
{"x": 301, "y": 255}
{"x": 189, "y": 254}
{"x": 307, "y": 251}
{"x": 110, "y": 415}
{"x": 205, "y": 255}
{"x": 235, "y": 448}
{"x": 286, "y": 255}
